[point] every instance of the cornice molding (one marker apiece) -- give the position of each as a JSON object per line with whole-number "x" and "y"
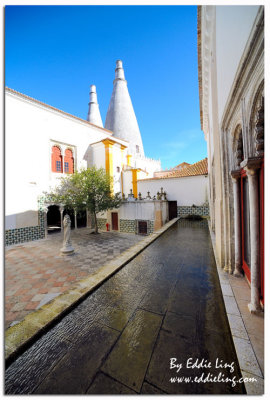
{"x": 40, "y": 104}
{"x": 251, "y": 163}
{"x": 207, "y": 19}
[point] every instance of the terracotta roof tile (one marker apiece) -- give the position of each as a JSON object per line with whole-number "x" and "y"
{"x": 198, "y": 168}
{"x": 182, "y": 165}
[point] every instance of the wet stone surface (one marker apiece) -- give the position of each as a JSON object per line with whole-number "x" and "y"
{"x": 164, "y": 304}
{"x": 128, "y": 360}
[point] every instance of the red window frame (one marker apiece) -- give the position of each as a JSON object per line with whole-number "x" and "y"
{"x": 70, "y": 160}
{"x": 56, "y": 156}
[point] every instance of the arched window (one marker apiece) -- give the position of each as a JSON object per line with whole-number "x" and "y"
{"x": 57, "y": 164}
{"x": 68, "y": 162}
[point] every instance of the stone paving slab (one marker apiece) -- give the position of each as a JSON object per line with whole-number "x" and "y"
{"x": 103, "y": 384}
{"x": 139, "y": 336}
{"x": 166, "y": 264}
{"x": 151, "y": 390}
{"x": 247, "y": 329}
{"x": 20, "y": 334}
{"x": 35, "y": 272}
{"x": 74, "y": 372}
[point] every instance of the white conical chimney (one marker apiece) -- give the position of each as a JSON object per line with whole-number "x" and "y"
{"x": 93, "y": 115}
{"x": 121, "y": 118}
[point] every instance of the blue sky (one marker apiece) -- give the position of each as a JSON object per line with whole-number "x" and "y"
{"x": 54, "y": 53}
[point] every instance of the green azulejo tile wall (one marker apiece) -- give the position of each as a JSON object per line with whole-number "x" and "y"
{"x": 184, "y": 211}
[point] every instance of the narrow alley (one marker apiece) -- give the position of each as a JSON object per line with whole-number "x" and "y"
{"x": 157, "y": 320}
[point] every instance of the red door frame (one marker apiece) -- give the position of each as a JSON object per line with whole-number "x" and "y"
{"x": 245, "y": 267}
{"x": 114, "y": 221}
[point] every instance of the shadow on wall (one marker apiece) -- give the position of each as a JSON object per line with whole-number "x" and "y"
{"x": 21, "y": 220}
{"x": 88, "y": 157}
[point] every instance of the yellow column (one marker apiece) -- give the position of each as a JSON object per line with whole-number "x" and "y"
{"x": 134, "y": 182}
{"x": 122, "y": 154}
{"x": 109, "y": 159}
{"x": 129, "y": 159}
{"x": 122, "y": 164}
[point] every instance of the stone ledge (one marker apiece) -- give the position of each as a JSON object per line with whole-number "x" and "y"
{"x": 19, "y": 336}
{"x": 246, "y": 357}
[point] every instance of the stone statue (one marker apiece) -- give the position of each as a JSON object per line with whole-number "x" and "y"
{"x": 67, "y": 248}
{"x": 131, "y": 196}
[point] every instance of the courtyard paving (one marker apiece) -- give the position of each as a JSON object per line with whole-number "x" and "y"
{"x": 35, "y": 272}
{"x": 136, "y": 332}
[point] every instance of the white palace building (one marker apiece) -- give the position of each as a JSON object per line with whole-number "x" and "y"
{"x": 48, "y": 143}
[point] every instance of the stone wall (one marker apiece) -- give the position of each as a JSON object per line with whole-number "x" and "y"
{"x": 130, "y": 226}
{"x": 150, "y": 226}
{"x": 101, "y": 223}
{"x": 20, "y": 235}
{"x": 127, "y": 225}
{"x": 184, "y": 211}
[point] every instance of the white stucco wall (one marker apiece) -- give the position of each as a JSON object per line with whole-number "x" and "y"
{"x": 233, "y": 27}
{"x": 137, "y": 210}
{"x": 117, "y": 162}
{"x": 97, "y": 152}
{"x": 127, "y": 182}
{"x": 30, "y": 130}
{"x": 147, "y": 164}
{"x": 186, "y": 190}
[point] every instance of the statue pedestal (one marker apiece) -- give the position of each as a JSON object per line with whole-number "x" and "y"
{"x": 67, "y": 251}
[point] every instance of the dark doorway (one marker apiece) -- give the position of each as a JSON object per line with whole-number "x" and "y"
{"x": 115, "y": 221}
{"x": 172, "y": 209}
{"x": 53, "y": 219}
{"x": 81, "y": 219}
{"x": 142, "y": 227}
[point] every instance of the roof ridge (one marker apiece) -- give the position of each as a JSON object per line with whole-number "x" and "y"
{"x": 192, "y": 165}
{"x": 198, "y": 168}
{"x": 56, "y": 109}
